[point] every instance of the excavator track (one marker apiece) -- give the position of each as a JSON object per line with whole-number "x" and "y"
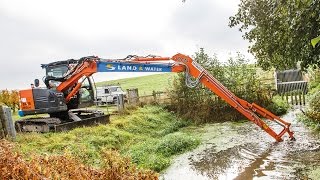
{"x": 77, "y": 118}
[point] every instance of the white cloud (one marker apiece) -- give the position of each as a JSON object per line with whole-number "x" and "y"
{"x": 36, "y": 31}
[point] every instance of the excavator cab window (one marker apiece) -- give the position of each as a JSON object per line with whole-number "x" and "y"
{"x": 86, "y": 93}
{"x": 57, "y": 71}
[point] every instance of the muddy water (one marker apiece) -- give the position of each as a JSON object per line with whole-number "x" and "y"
{"x": 244, "y": 151}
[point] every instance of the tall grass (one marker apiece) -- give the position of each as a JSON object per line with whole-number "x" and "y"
{"x": 312, "y": 115}
{"x": 150, "y": 136}
{"x": 114, "y": 166}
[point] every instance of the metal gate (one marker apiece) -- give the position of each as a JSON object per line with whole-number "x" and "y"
{"x": 290, "y": 85}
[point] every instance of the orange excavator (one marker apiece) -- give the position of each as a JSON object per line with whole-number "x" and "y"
{"x": 67, "y": 81}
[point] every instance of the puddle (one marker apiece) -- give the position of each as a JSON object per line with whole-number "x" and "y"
{"x": 244, "y": 151}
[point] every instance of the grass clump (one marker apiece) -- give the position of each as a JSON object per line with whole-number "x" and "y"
{"x": 151, "y": 136}
{"x": 156, "y": 153}
{"x": 278, "y": 106}
{"x": 176, "y": 143}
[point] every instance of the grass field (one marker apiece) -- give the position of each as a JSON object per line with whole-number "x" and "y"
{"x": 145, "y": 84}
{"x": 150, "y": 136}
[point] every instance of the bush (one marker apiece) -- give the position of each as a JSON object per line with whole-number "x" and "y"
{"x": 201, "y": 105}
{"x": 314, "y": 107}
{"x": 278, "y": 106}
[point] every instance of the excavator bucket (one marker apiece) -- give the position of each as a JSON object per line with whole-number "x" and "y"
{"x": 289, "y": 81}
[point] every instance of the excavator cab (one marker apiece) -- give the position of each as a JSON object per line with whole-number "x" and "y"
{"x": 63, "y": 115}
{"x": 86, "y": 95}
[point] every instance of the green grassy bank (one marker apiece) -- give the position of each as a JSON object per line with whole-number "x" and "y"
{"x": 151, "y": 136}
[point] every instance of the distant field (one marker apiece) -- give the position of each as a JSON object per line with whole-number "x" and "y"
{"x": 145, "y": 84}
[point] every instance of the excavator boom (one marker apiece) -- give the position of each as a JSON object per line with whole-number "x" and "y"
{"x": 250, "y": 111}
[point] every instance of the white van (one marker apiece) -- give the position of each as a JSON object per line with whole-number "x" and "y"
{"x": 108, "y": 94}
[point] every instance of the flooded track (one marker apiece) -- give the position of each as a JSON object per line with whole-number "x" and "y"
{"x": 244, "y": 151}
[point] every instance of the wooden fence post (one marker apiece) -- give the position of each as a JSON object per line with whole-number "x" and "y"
{"x": 2, "y": 128}
{"x": 133, "y": 96}
{"x": 120, "y": 103}
{"x": 154, "y": 94}
{"x": 7, "y": 122}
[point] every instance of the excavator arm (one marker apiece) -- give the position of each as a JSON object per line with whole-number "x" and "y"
{"x": 183, "y": 63}
{"x": 249, "y": 110}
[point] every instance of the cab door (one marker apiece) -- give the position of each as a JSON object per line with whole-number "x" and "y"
{"x": 87, "y": 93}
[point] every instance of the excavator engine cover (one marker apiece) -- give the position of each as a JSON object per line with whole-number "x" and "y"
{"x": 40, "y": 101}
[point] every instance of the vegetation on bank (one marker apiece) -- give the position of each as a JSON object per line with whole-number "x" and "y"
{"x": 150, "y": 136}
{"x": 240, "y": 77}
{"x": 66, "y": 166}
{"x": 311, "y": 117}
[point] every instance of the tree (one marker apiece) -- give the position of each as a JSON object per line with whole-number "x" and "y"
{"x": 4, "y": 97}
{"x": 14, "y": 100}
{"x": 280, "y": 31}
{"x": 10, "y": 98}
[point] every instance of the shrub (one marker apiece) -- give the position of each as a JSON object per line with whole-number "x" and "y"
{"x": 314, "y": 107}
{"x": 13, "y": 166}
{"x": 201, "y": 105}
{"x": 278, "y": 106}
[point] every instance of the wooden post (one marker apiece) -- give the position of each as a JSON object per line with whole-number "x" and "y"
{"x": 295, "y": 97}
{"x": 2, "y": 132}
{"x": 120, "y": 103}
{"x": 133, "y": 96}
{"x": 7, "y": 122}
{"x": 154, "y": 94}
{"x": 300, "y": 102}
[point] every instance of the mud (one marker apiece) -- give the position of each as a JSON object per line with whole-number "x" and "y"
{"x": 244, "y": 151}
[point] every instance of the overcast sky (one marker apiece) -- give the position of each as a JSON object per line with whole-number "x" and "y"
{"x": 34, "y": 32}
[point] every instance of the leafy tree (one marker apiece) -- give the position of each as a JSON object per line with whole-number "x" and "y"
{"x": 280, "y": 31}
{"x": 14, "y": 100}
{"x": 10, "y": 99}
{"x": 4, "y": 97}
